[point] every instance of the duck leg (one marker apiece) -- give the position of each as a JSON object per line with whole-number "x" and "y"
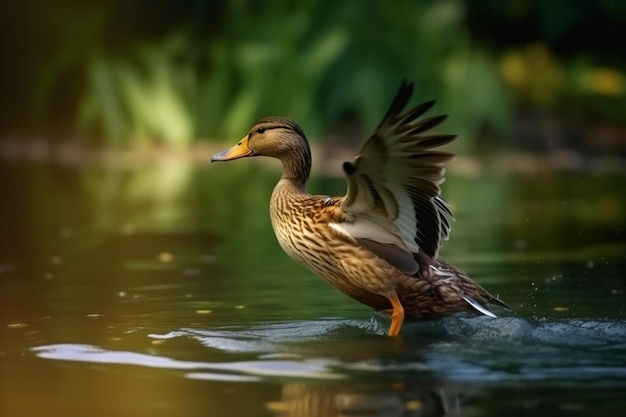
{"x": 397, "y": 315}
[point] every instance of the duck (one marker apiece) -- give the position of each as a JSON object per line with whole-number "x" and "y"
{"x": 379, "y": 243}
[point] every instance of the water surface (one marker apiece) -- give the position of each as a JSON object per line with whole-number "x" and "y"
{"x": 160, "y": 290}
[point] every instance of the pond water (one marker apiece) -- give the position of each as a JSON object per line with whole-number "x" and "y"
{"x": 159, "y": 290}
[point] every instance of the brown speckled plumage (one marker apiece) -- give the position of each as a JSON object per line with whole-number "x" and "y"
{"x": 379, "y": 243}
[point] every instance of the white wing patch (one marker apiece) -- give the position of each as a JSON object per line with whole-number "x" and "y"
{"x": 364, "y": 229}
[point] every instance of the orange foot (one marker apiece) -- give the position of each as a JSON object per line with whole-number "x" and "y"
{"x": 397, "y": 315}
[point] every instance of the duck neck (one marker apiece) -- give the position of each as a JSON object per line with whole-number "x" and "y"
{"x": 297, "y": 166}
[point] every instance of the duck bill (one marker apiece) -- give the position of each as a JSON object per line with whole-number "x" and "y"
{"x": 240, "y": 150}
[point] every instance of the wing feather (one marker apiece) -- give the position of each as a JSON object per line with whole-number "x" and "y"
{"x": 393, "y": 185}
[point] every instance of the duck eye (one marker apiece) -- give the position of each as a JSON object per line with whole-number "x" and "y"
{"x": 261, "y": 130}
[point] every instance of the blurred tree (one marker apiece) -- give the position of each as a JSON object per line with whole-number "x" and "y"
{"x": 134, "y": 72}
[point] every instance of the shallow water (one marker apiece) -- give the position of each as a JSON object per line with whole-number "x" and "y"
{"x": 160, "y": 290}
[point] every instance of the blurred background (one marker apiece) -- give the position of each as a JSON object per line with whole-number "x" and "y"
{"x": 116, "y": 74}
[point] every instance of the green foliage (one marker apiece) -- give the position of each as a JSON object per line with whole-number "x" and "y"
{"x": 268, "y": 61}
{"x": 143, "y": 100}
{"x": 308, "y": 61}
{"x": 209, "y": 69}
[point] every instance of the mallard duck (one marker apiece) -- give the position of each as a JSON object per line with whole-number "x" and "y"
{"x": 379, "y": 243}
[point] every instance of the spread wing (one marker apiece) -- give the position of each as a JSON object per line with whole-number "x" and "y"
{"x": 393, "y": 205}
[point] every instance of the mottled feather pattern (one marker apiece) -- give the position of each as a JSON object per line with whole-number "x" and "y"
{"x": 302, "y": 227}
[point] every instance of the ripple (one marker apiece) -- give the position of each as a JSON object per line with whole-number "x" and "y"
{"x": 242, "y": 371}
{"x": 479, "y": 349}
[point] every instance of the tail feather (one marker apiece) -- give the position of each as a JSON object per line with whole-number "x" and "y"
{"x": 479, "y": 307}
{"x": 470, "y": 291}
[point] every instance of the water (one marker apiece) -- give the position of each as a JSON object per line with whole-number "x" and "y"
{"x": 159, "y": 290}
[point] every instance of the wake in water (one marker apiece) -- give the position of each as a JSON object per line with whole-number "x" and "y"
{"x": 455, "y": 348}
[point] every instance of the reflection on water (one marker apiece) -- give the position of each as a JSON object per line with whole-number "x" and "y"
{"x": 148, "y": 279}
{"x": 394, "y": 399}
{"x": 324, "y": 368}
